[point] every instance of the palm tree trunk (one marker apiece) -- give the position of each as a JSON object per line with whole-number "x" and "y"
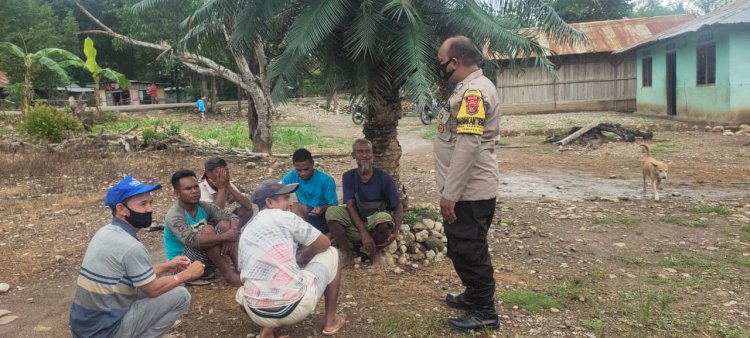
{"x": 382, "y": 130}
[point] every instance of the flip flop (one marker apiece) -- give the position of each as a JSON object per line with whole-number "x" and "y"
{"x": 336, "y": 329}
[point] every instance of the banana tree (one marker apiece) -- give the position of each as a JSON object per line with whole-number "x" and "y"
{"x": 54, "y": 59}
{"x": 97, "y": 72}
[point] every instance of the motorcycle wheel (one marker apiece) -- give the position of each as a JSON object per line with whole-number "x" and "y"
{"x": 426, "y": 116}
{"x": 358, "y": 117}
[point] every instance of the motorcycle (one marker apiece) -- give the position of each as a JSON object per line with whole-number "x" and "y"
{"x": 359, "y": 114}
{"x": 429, "y": 112}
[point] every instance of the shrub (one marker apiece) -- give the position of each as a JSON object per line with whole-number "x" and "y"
{"x": 45, "y": 122}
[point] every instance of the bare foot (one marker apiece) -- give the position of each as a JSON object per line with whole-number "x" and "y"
{"x": 336, "y": 324}
{"x": 345, "y": 260}
{"x": 378, "y": 260}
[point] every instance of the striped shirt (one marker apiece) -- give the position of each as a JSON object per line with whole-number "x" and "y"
{"x": 115, "y": 264}
{"x": 268, "y": 258}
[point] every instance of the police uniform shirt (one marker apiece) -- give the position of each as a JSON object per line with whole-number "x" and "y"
{"x": 469, "y": 126}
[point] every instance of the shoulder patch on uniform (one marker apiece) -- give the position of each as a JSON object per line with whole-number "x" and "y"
{"x": 471, "y": 115}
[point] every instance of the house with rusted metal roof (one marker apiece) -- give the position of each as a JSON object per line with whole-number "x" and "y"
{"x": 589, "y": 76}
{"x": 699, "y": 70}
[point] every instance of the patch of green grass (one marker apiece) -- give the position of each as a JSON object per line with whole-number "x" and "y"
{"x": 596, "y": 326}
{"x": 538, "y": 125}
{"x": 663, "y": 148}
{"x": 649, "y": 308}
{"x": 429, "y": 133}
{"x": 408, "y": 325}
{"x": 745, "y": 232}
{"x": 705, "y": 208}
{"x": 529, "y": 300}
{"x": 235, "y": 135}
{"x": 414, "y": 215}
{"x": 288, "y": 138}
{"x": 572, "y": 122}
{"x": 613, "y": 218}
{"x": 693, "y": 223}
{"x": 743, "y": 155}
{"x": 503, "y": 143}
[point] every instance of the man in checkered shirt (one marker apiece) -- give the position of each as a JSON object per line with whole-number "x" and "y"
{"x": 281, "y": 283}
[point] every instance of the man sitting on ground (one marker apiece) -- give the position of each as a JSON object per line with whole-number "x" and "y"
{"x": 118, "y": 292}
{"x": 217, "y": 188}
{"x": 373, "y": 211}
{"x": 316, "y": 192}
{"x": 281, "y": 284}
{"x": 200, "y": 230}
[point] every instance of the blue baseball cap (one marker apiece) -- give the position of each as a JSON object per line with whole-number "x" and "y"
{"x": 271, "y": 188}
{"x": 127, "y": 188}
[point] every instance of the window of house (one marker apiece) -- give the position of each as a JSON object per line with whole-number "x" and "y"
{"x": 706, "y": 64}
{"x": 646, "y": 71}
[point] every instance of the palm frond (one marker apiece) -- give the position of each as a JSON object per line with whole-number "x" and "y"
{"x": 13, "y": 49}
{"x": 51, "y": 65}
{"x": 115, "y": 76}
{"x": 145, "y": 5}
{"x": 314, "y": 24}
{"x": 413, "y": 54}
{"x": 395, "y": 9}
{"x": 362, "y": 36}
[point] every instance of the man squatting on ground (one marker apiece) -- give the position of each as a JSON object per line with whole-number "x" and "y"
{"x": 373, "y": 211}
{"x": 217, "y": 188}
{"x": 200, "y": 230}
{"x": 118, "y": 293}
{"x": 281, "y": 282}
{"x": 467, "y": 178}
{"x": 316, "y": 192}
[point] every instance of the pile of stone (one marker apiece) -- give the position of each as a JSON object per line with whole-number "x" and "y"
{"x": 419, "y": 243}
{"x": 742, "y": 129}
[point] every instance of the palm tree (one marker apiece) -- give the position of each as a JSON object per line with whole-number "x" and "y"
{"x": 386, "y": 50}
{"x": 54, "y": 59}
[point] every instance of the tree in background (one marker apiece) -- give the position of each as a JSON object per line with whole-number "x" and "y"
{"x": 36, "y": 25}
{"x": 97, "y": 72}
{"x": 386, "y": 50}
{"x": 53, "y": 59}
{"x": 591, "y": 10}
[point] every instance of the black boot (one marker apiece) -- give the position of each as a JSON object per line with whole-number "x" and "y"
{"x": 458, "y": 302}
{"x": 485, "y": 318}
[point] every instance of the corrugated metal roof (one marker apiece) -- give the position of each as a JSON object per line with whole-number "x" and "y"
{"x": 4, "y": 80}
{"x": 612, "y": 35}
{"x": 737, "y": 12}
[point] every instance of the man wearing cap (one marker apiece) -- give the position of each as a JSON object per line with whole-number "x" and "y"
{"x": 118, "y": 290}
{"x": 316, "y": 192}
{"x": 217, "y": 188}
{"x": 200, "y": 230}
{"x": 373, "y": 212}
{"x": 281, "y": 283}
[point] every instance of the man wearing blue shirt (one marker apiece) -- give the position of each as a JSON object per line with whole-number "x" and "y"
{"x": 316, "y": 192}
{"x": 201, "y": 105}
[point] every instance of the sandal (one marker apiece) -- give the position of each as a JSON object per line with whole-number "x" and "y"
{"x": 334, "y": 330}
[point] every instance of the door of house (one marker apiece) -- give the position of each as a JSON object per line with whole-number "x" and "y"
{"x": 671, "y": 83}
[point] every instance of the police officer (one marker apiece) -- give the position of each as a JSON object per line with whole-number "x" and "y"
{"x": 467, "y": 178}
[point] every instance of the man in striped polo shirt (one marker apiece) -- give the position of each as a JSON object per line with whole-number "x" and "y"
{"x": 118, "y": 292}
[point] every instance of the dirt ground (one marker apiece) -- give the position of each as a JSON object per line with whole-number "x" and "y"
{"x": 571, "y": 225}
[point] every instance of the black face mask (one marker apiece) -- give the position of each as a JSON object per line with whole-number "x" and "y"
{"x": 139, "y": 219}
{"x": 443, "y": 72}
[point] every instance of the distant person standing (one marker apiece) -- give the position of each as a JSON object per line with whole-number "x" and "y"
{"x": 153, "y": 91}
{"x": 201, "y": 105}
{"x": 467, "y": 178}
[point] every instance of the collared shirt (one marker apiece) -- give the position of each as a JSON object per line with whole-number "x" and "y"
{"x": 268, "y": 258}
{"x": 115, "y": 264}
{"x": 469, "y": 126}
{"x": 208, "y": 193}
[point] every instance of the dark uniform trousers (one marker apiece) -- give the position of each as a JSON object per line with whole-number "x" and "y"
{"x": 469, "y": 251}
